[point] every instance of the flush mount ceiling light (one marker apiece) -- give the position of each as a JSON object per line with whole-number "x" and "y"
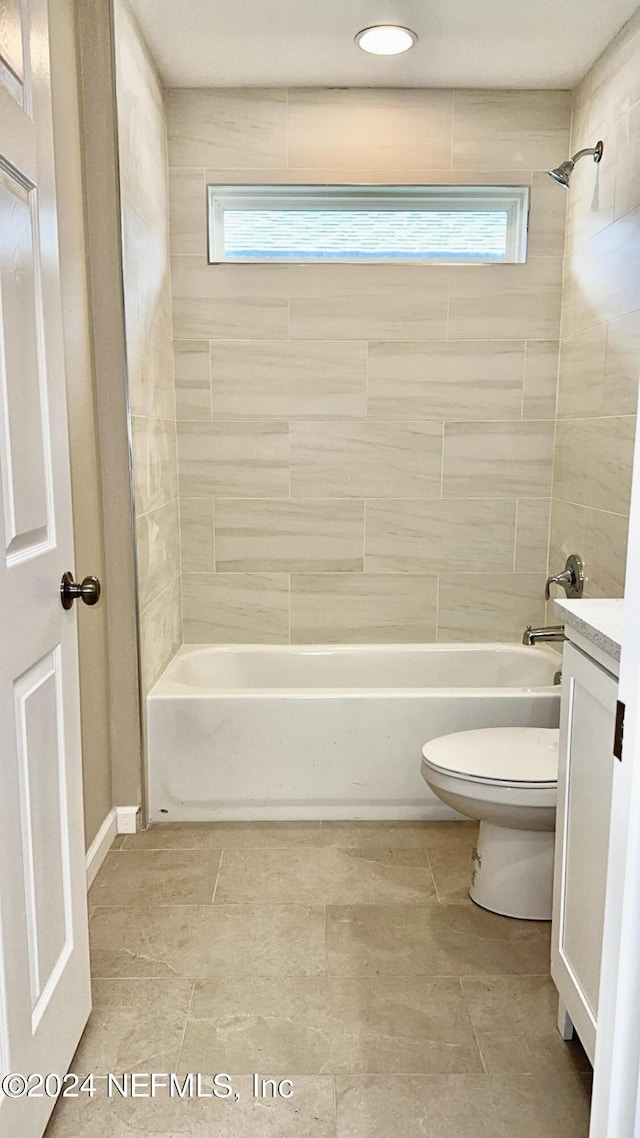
{"x": 386, "y": 39}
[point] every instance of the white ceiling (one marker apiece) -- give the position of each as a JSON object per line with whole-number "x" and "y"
{"x": 463, "y": 43}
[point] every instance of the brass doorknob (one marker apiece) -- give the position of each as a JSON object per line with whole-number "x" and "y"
{"x": 87, "y": 591}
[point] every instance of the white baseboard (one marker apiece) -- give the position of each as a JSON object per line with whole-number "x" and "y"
{"x": 120, "y": 820}
{"x": 127, "y": 819}
{"x": 100, "y": 846}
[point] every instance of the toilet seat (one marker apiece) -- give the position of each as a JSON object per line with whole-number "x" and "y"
{"x": 518, "y": 757}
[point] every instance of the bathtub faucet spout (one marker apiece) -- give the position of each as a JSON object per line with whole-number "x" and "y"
{"x": 553, "y": 632}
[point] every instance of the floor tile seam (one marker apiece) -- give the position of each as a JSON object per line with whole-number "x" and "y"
{"x": 429, "y": 901}
{"x": 220, "y": 849}
{"x": 472, "y": 1024}
{"x": 270, "y": 976}
{"x": 215, "y": 888}
{"x": 186, "y": 1023}
{"x": 503, "y": 976}
{"x": 152, "y": 907}
{"x": 433, "y": 876}
{"x": 301, "y": 847}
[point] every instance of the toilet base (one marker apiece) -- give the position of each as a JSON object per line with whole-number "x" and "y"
{"x": 513, "y": 872}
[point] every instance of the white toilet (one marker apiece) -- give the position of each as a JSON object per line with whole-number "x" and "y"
{"x": 507, "y": 777}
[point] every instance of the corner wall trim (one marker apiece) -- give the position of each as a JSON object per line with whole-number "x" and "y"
{"x": 100, "y": 846}
{"x": 126, "y": 819}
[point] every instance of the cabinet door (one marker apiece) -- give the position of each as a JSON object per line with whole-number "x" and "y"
{"x": 582, "y": 837}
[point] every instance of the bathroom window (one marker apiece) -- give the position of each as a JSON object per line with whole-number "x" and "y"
{"x": 368, "y": 224}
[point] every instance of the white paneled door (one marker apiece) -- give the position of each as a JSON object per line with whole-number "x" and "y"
{"x": 44, "y": 972}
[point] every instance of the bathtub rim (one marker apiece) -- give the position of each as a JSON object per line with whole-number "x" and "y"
{"x": 167, "y": 688}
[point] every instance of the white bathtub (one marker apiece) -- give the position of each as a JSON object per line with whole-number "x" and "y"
{"x": 323, "y": 732}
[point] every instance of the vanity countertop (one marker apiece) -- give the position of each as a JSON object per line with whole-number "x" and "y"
{"x": 598, "y": 621}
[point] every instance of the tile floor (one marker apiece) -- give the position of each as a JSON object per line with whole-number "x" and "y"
{"x": 345, "y": 956}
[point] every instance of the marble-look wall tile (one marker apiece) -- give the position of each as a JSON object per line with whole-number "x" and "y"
{"x": 582, "y": 368}
{"x": 188, "y": 212}
{"x": 150, "y": 370}
{"x": 289, "y": 536}
{"x": 313, "y": 396}
{"x": 236, "y": 608}
{"x": 146, "y": 274}
{"x": 622, "y": 368}
{"x": 489, "y": 606}
{"x": 600, "y": 350}
{"x": 158, "y": 551}
{"x": 160, "y": 633}
{"x": 290, "y": 379}
{"x": 593, "y": 462}
{"x": 363, "y": 302}
{"x": 233, "y": 460}
{"x": 602, "y": 278}
{"x": 532, "y": 534}
{"x": 547, "y": 218}
{"x": 540, "y": 379}
{"x": 369, "y": 127}
{"x": 287, "y": 175}
{"x": 154, "y": 462}
{"x": 221, "y": 302}
{"x": 366, "y": 460}
{"x": 150, "y": 359}
{"x": 526, "y": 130}
{"x": 497, "y": 460}
{"x": 506, "y": 302}
{"x": 627, "y": 188}
{"x": 193, "y": 381}
{"x": 601, "y": 540}
{"x": 349, "y": 608}
{"x": 227, "y": 127}
{"x": 196, "y": 535}
{"x": 445, "y": 379}
{"x": 614, "y": 82}
{"x": 442, "y": 535}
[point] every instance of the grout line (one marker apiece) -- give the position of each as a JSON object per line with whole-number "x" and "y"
{"x": 524, "y": 379}
{"x": 186, "y": 1021}
{"x": 473, "y": 1026}
{"x": 433, "y": 876}
{"x": 215, "y": 888}
{"x": 444, "y": 425}
{"x": 335, "y": 1103}
{"x": 515, "y": 536}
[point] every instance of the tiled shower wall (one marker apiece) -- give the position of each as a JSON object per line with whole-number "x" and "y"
{"x": 145, "y": 247}
{"x": 365, "y": 452}
{"x": 600, "y": 355}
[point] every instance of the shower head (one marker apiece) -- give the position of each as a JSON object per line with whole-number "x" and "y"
{"x": 562, "y": 173}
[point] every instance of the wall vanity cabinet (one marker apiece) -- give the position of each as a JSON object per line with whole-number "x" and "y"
{"x": 585, "y": 775}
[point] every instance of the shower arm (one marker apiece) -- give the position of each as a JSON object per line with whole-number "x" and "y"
{"x": 595, "y": 150}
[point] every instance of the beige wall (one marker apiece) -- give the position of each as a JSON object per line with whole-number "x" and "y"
{"x": 145, "y": 251}
{"x": 365, "y": 452}
{"x": 600, "y": 356}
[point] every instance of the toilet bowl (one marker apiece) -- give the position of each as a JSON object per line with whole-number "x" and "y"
{"x": 507, "y": 777}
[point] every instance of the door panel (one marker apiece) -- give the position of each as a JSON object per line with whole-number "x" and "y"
{"x": 25, "y": 474}
{"x": 12, "y": 44}
{"x": 40, "y": 738}
{"x": 44, "y": 957}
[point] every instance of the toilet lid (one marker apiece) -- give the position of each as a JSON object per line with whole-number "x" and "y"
{"x": 500, "y": 754}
